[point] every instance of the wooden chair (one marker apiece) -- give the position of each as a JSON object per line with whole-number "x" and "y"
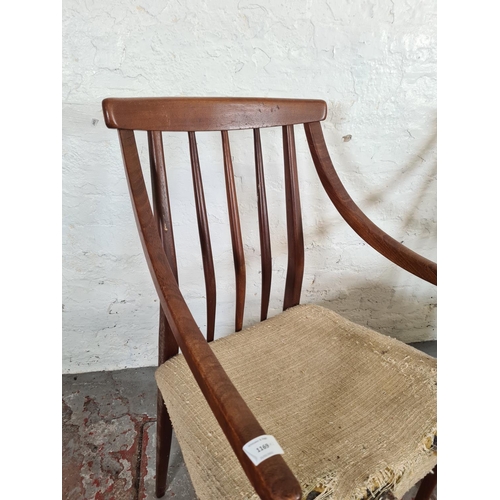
{"x": 373, "y": 396}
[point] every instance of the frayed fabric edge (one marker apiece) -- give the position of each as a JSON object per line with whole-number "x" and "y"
{"x": 380, "y": 483}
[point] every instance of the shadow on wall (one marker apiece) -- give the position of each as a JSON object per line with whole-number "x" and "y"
{"x": 385, "y": 309}
{"x": 389, "y": 305}
{"x": 419, "y": 169}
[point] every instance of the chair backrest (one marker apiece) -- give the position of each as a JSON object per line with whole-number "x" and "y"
{"x": 191, "y": 115}
{"x": 181, "y": 114}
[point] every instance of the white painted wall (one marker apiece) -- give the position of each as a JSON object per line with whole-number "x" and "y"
{"x": 374, "y": 62}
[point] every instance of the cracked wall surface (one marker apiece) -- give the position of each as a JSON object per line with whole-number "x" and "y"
{"x": 374, "y": 62}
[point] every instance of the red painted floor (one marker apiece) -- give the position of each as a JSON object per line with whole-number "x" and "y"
{"x": 109, "y": 435}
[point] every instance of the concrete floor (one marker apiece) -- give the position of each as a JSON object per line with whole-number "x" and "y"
{"x": 109, "y": 436}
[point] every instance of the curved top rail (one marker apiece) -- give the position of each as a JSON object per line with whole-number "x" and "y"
{"x": 184, "y": 114}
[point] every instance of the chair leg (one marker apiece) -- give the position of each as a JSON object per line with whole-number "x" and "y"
{"x": 167, "y": 347}
{"x": 163, "y": 444}
{"x": 427, "y": 486}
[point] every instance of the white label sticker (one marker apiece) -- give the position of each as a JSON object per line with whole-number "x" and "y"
{"x": 262, "y": 447}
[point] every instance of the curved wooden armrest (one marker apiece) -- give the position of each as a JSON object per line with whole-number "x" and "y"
{"x": 272, "y": 479}
{"x": 373, "y": 235}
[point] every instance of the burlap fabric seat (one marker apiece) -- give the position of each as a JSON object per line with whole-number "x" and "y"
{"x": 353, "y": 410}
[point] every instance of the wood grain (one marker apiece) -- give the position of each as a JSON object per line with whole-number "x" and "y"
{"x": 236, "y": 239}
{"x": 295, "y": 236}
{"x": 183, "y": 114}
{"x": 161, "y": 199}
{"x": 264, "y": 235}
{"x": 204, "y": 232}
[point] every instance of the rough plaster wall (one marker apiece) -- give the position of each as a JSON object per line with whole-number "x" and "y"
{"x": 373, "y": 61}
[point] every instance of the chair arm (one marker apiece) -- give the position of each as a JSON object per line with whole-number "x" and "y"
{"x": 364, "y": 227}
{"x": 271, "y": 479}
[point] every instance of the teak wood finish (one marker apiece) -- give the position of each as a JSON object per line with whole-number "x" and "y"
{"x": 236, "y": 239}
{"x": 272, "y": 479}
{"x": 167, "y": 345}
{"x": 265, "y": 238}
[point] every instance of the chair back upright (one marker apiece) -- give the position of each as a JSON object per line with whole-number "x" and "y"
{"x": 191, "y": 115}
